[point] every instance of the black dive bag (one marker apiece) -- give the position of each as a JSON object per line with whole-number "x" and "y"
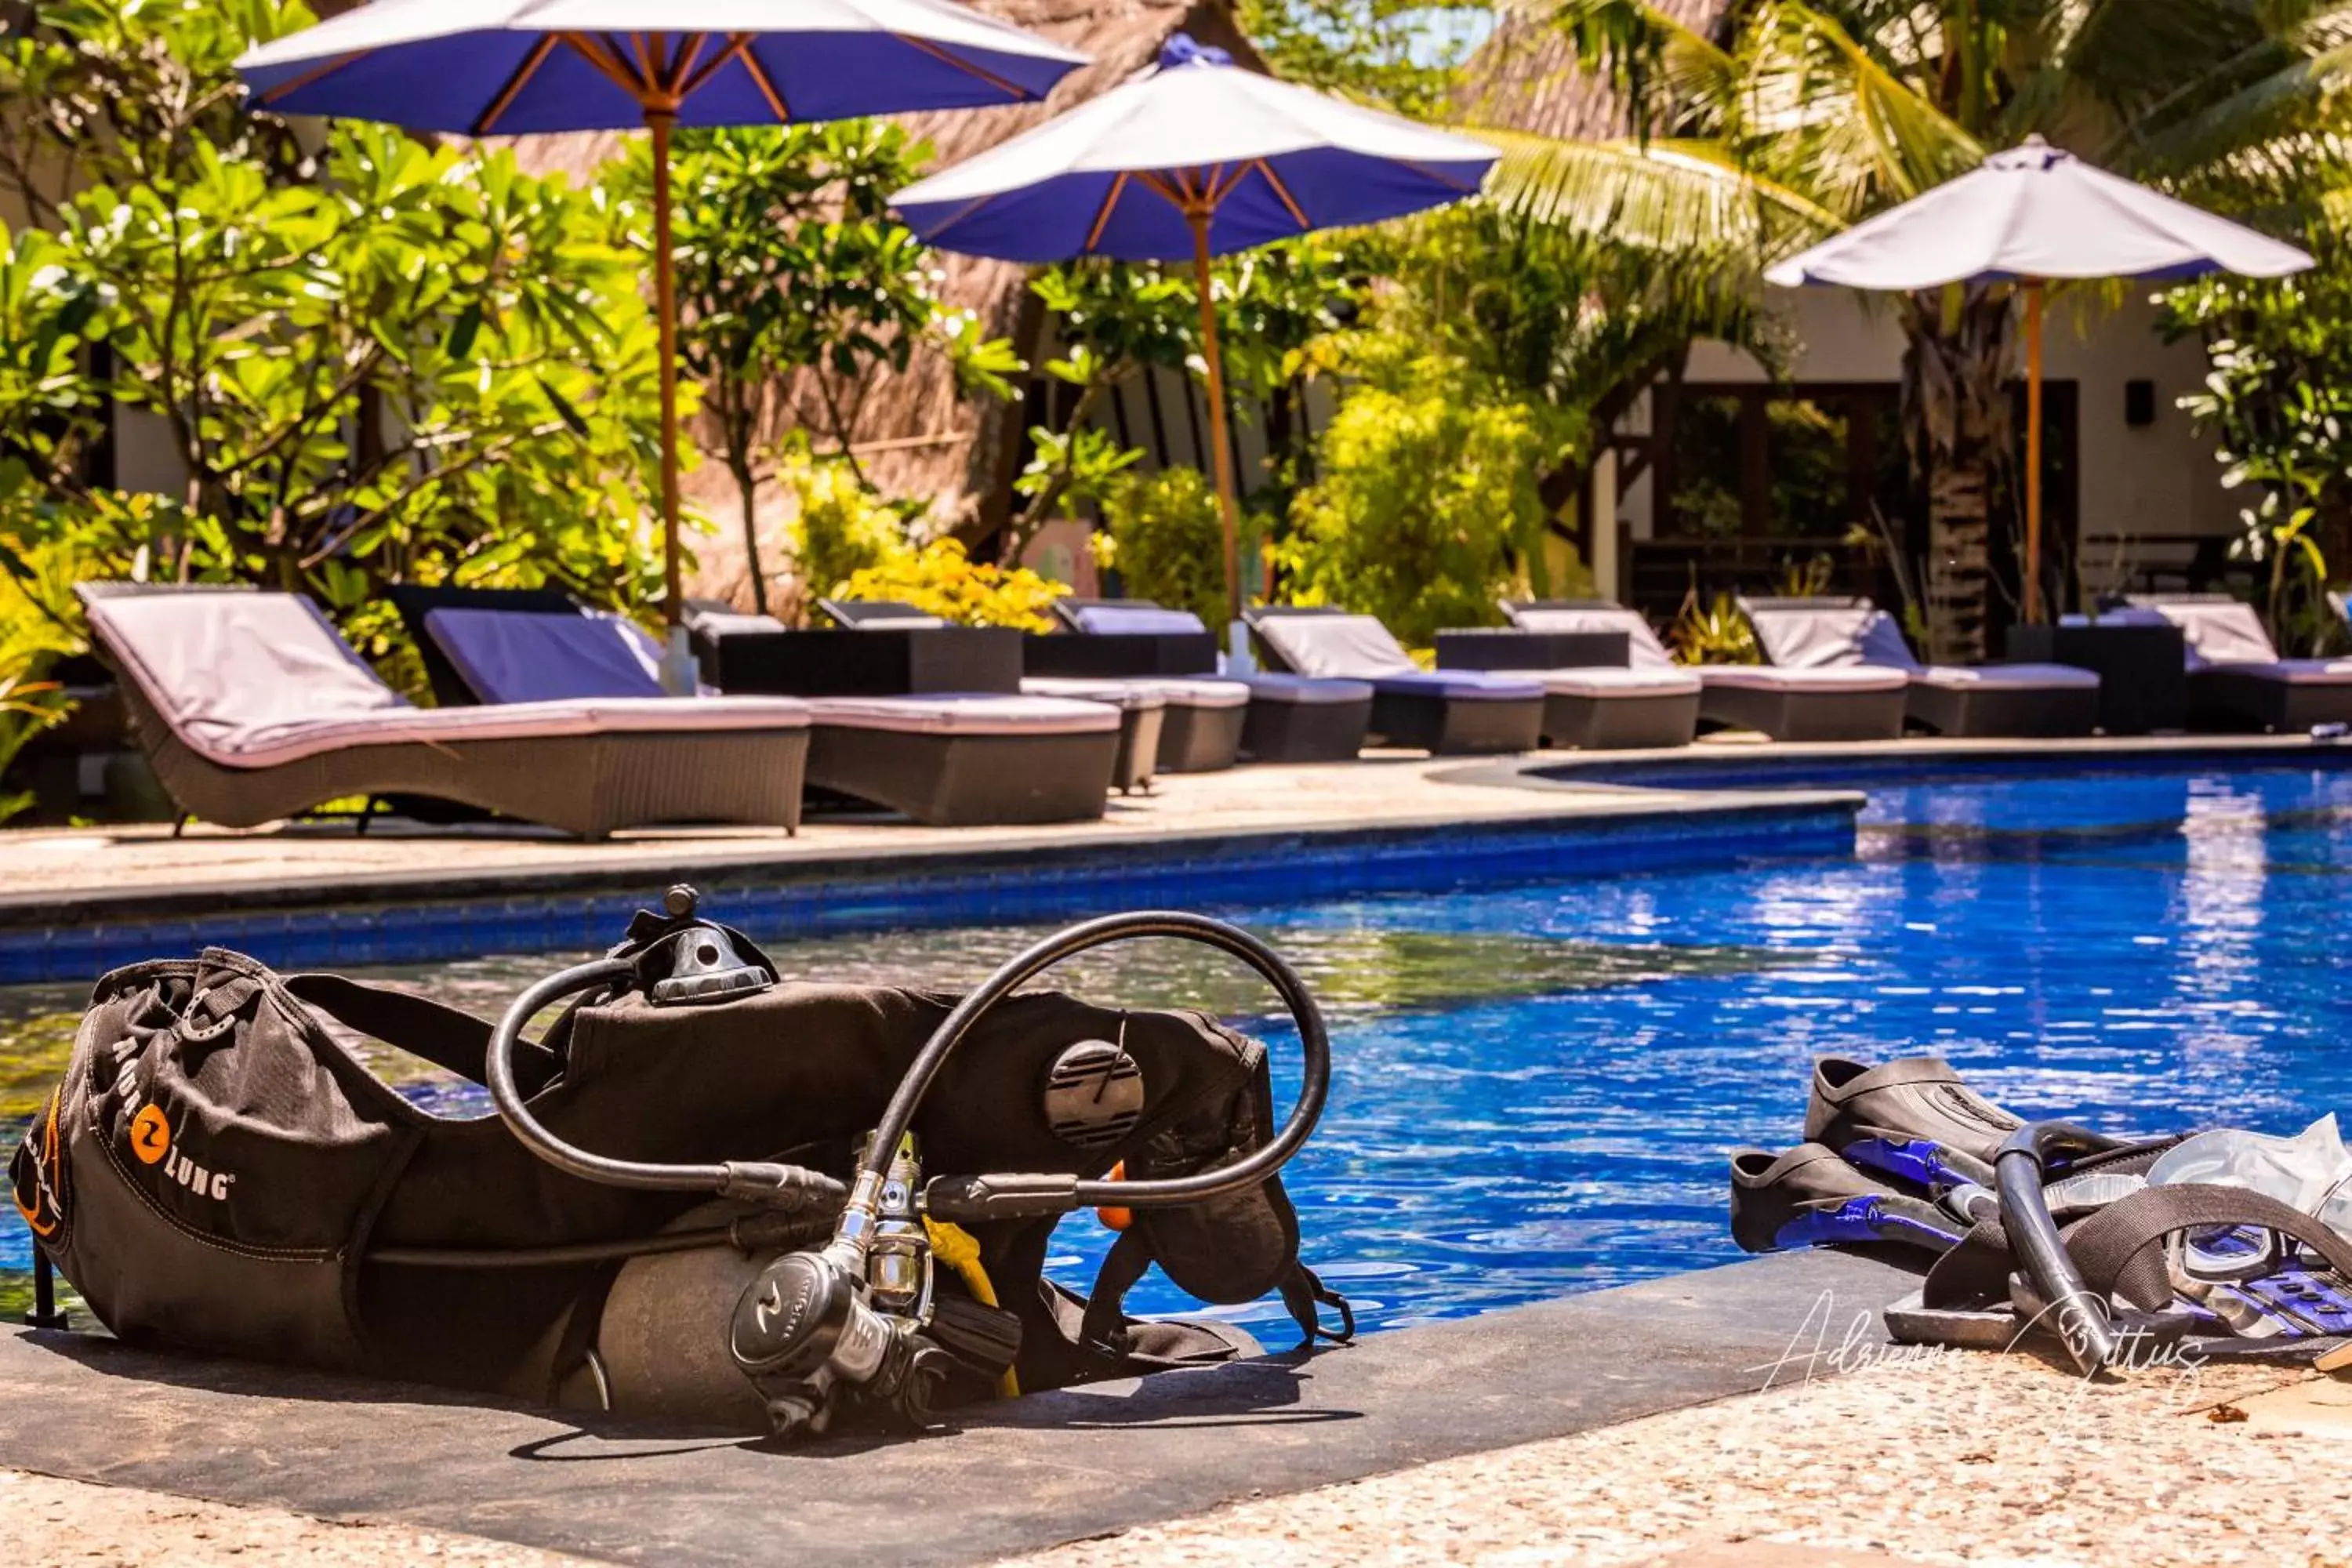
{"x": 219, "y": 1172}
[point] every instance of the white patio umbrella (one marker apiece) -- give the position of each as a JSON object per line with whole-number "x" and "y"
{"x": 513, "y": 67}
{"x": 1193, "y": 158}
{"x": 2031, "y": 214}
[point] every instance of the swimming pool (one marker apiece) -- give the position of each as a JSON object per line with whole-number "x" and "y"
{"x": 1537, "y": 1085}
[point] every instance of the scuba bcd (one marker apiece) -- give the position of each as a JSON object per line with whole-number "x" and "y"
{"x": 855, "y": 1315}
{"x": 709, "y": 1193}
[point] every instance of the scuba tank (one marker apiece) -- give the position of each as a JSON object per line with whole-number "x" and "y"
{"x": 708, "y": 1192}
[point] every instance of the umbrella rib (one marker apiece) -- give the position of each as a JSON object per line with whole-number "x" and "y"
{"x": 687, "y": 54}
{"x": 1290, "y": 202}
{"x": 1441, "y": 176}
{"x": 766, "y": 84}
{"x": 598, "y": 53}
{"x": 326, "y": 69}
{"x": 990, "y": 77}
{"x": 736, "y": 44}
{"x": 524, "y": 70}
{"x": 1102, "y": 217}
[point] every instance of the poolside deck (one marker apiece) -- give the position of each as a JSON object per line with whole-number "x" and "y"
{"x": 62, "y": 873}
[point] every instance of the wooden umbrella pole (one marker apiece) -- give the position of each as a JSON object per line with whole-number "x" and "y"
{"x": 660, "y": 120}
{"x": 1198, "y": 217}
{"x": 2032, "y": 451}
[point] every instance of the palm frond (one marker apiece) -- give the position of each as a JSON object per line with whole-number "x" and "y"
{"x": 2279, "y": 103}
{"x": 1822, "y": 115}
{"x": 1669, "y": 72}
{"x": 1681, "y": 194}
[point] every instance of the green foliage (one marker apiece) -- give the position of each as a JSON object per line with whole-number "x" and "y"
{"x": 2278, "y": 398}
{"x": 1712, "y": 631}
{"x": 942, "y": 580}
{"x": 1117, "y": 320}
{"x": 1167, "y": 540}
{"x": 376, "y": 361}
{"x": 1795, "y": 121}
{"x": 789, "y": 261}
{"x": 840, "y": 528}
{"x": 36, "y": 629}
{"x": 1405, "y": 54}
{"x": 1426, "y": 510}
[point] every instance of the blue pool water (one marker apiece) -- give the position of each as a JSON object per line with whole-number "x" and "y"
{"x": 1538, "y": 1085}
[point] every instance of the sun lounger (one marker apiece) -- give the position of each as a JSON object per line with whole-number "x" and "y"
{"x": 2030, "y": 700}
{"x": 2236, "y": 678}
{"x": 1212, "y": 719}
{"x": 1144, "y": 709}
{"x": 1433, "y": 711}
{"x": 252, "y": 709}
{"x": 1635, "y": 705}
{"x": 1786, "y": 704}
{"x": 945, "y": 760}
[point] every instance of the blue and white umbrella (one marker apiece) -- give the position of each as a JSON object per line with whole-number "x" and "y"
{"x": 2025, "y": 216}
{"x": 511, "y": 68}
{"x": 1194, "y": 158}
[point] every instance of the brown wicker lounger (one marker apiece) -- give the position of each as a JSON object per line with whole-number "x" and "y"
{"x": 943, "y": 759}
{"x": 1441, "y": 711}
{"x": 252, "y": 709}
{"x": 1786, "y": 704}
{"x": 2021, "y": 700}
{"x": 2236, "y": 678}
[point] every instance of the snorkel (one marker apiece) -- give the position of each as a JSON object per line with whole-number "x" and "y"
{"x": 853, "y": 1320}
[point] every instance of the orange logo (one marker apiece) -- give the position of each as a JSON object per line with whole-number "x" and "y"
{"x": 150, "y": 1135}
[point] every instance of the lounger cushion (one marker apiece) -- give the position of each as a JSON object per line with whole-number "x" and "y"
{"x": 1131, "y": 621}
{"x": 1643, "y": 648}
{"x": 2295, "y": 671}
{"x": 979, "y": 713}
{"x": 2006, "y": 677}
{"x": 1770, "y": 677}
{"x": 1127, "y": 695}
{"x": 504, "y": 657}
{"x": 256, "y": 680}
{"x": 1347, "y": 648}
{"x": 2214, "y": 631}
{"x": 1460, "y": 686}
{"x": 1807, "y": 634}
{"x": 1173, "y": 691}
{"x": 1299, "y": 692}
{"x": 1605, "y": 681}
{"x": 720, "y": 624}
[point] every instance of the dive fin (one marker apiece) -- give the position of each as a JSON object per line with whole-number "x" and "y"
{"x": 1810, "y": 1197}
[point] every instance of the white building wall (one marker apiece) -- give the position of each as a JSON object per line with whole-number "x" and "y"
{"x": 2140, "y": 485}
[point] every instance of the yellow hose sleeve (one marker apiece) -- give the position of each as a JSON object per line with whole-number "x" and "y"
{"x": 959, "y": 1250}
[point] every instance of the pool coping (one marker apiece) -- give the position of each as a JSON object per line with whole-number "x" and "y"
{"x": 790, "y": 862}
{"x": 1050, "y": 1468}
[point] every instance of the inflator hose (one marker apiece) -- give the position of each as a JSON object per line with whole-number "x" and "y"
{"x": 775, "y": 1186}
{"x": 1001, "y": 1196}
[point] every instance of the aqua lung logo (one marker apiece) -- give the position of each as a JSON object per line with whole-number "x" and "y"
{"x": 151, "y": 1143}
{"x": 213, "y": 1185}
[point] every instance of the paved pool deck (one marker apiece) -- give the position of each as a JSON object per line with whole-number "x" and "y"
{"x": 111, "y": 872}
{"x": 1022, "y": 1477}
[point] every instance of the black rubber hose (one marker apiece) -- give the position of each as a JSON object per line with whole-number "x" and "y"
{"x": 998, "y": 1195}
{"x": 782, "y": 1186}
{"x": 2019, "y": 1171}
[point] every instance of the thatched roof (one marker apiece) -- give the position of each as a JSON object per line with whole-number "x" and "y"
{"x": 1524, "y": 78}
{"x": 914, "y": 437}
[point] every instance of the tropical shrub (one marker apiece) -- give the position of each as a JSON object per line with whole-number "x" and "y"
{"x": 2277, "y": 399}
{"x": 789, "y": 261}
{"x": 840, "y": 527}
{"x": 1167, "y": 540}
{"x": 373, "y": 360}
{"x": 941, "y": 579}
{"x": 1425, "y": 510}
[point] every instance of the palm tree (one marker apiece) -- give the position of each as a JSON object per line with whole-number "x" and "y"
{"x": 1787, "y": 120}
